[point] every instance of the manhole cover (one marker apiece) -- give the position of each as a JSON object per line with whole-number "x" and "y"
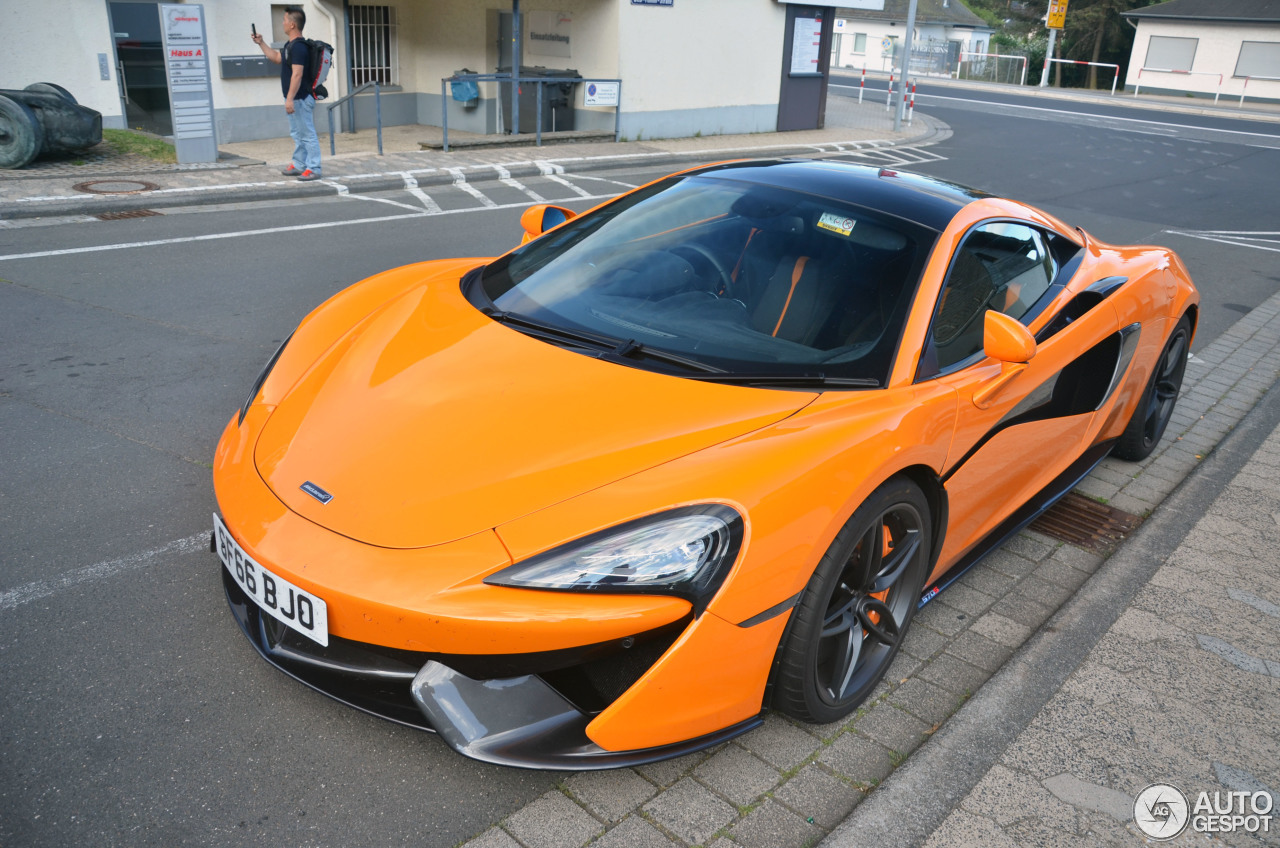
{"x": 120, "y": 216}
{"x": 1085, "y": 523}
{"x": 115, "y": 186}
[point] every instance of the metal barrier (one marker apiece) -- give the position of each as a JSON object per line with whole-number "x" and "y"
{"x": 1138, "y": 83}
{"x": 516, "y": 82}
{"x": 377, "y": 101}
{"x": 1244, "y": 87}
{"x": 996, "y": 56}
{"x": 1114, "y": 79}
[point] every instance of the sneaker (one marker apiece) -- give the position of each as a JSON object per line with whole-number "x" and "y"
{"x": 291, "y": 171}
{"x": 308, "y": 175}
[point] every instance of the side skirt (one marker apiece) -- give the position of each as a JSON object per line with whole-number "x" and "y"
{"x": 1023, "y": 516}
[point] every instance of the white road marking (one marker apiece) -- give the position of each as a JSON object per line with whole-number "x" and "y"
{"x": 460, "y": 182}
{"x": 603, "y": 180}
{"x": 342, "y": 189}
{"x": 411, "y": 186}
{"x": 504, "y": 177}
{"x": 38, "y": 589}
{"x": 272, "y": 230}
{"x": 1233, "y": 239}
{"x": 1084, "y": 114}
{"x": 578, "y": 190}
{"x": 386, "y": 200}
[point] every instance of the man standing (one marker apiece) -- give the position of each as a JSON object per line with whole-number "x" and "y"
{"x": 299, "y": 102}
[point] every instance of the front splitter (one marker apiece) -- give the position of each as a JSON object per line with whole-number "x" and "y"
{"x": 521, "y": 721}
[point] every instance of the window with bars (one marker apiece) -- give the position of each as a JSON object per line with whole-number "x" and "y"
{"x": 374, "y": 56}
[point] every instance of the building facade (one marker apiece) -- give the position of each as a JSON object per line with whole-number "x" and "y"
{"x": 686, "y": 66}
{"x": 1224, "y": 48}
{"x": 873, "y": 39}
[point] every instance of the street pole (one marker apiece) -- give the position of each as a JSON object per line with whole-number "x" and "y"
{"x": 1044, "y": 75}
{"x": 906, "y": 65}
{"x": 516, "y": 59}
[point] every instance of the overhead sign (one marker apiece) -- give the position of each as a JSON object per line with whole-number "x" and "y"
{"x": 186, "y": 59}
{"x": 1057, "y": 14}
{"x": 650, "y": 2}
{"x": 600, "y": 94}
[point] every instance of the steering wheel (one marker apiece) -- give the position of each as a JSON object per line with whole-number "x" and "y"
{"x": 726, "y": 283}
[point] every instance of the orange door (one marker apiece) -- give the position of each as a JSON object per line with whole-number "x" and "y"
{"x": 1014, "y": 434}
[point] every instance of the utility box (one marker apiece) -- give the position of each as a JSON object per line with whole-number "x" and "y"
{"x": 557, "y": 99}
{"x": 247, "y": 67}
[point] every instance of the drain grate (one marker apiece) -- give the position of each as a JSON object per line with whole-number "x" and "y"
{"x": 120, "y": 216}
{"x": 1085, "y": 523}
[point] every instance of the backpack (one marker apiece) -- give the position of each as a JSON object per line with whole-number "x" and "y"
{"x": 319, "y": 60}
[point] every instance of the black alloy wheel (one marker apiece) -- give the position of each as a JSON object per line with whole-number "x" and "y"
{"x": 855, "y": 611}
{"x": 1152, "y": 416}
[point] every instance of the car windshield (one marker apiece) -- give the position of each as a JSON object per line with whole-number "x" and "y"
{"x": 719, "y": 277}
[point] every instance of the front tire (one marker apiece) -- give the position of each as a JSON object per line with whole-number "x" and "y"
{"x": 1150, "y": 419}
{"x": 853, "y": 615}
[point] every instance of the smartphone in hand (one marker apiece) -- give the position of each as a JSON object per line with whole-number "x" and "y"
{"x": 254, "y": 27}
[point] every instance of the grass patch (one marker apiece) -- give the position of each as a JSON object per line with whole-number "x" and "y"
{"x": 129, "y": 141}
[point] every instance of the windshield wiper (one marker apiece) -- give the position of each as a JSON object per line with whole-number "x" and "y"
{"x": 551, "y": 332}
{"x": 818, "y": 381}
{"x": 634, "y": 349}
{"x": 603, "y": 346}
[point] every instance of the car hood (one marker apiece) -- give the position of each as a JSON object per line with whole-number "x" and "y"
{"x": 429, "y": 422}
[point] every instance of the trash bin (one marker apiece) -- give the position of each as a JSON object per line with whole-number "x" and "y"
{"x": 466, "y": 92}
{"x": 557, "y": 99}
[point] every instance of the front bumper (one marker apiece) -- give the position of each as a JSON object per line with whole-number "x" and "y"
{"x": 535, "y": 718}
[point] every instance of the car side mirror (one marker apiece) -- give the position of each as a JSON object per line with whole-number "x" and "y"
{"x": 1006, "y": 340}
{"x": 536, "y": 220}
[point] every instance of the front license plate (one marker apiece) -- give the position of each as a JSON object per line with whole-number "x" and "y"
{"x": 295, "y": 608}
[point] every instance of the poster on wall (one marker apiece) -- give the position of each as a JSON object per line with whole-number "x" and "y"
{"x": 548, "y": 34}
{"x": 806, "y": 44}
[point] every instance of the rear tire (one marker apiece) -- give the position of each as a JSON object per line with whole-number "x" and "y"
{"x": 1151, "y": 417}
{"x": 21, "y": 134}
{"x": 851, "y": 620}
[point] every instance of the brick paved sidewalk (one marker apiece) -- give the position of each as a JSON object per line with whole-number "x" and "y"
{"x": 788, "y": 785}
{"x": 1183, "y": 689}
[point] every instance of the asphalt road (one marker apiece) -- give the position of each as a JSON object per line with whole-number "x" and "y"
{"x": 134, "y": 712}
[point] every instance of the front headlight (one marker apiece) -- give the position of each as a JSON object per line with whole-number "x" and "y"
{"x": 684, "y": 552}
{"x": 262, "y": 378}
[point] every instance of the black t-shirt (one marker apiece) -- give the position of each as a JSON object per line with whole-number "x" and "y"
{"x": 294, "y": 53}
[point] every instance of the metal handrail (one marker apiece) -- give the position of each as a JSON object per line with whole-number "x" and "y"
{"x": 377, "y": 102}
{"x": 517, "y": 81}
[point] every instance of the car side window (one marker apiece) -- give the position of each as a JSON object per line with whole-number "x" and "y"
{"x": 1001, "y": 266}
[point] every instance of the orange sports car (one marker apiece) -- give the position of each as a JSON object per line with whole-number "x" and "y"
{"x": 699, "y": 452}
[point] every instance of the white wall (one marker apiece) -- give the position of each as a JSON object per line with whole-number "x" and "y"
{"x": 1216, "y": 53}
{"x": 722, "y": 59}
{"x": 59, "y": 41}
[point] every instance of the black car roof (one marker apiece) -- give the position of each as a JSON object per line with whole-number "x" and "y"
{"x": 926, "y": 201}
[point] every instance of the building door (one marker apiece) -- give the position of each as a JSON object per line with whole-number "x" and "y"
{"x": 835, "y": 50}
{"x": 140, "y": 64}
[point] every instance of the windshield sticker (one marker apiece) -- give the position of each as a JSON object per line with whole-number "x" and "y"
{"x": 836, "y": 223}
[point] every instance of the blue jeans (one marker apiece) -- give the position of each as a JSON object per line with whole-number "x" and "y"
{"x": 302, "y": 126}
